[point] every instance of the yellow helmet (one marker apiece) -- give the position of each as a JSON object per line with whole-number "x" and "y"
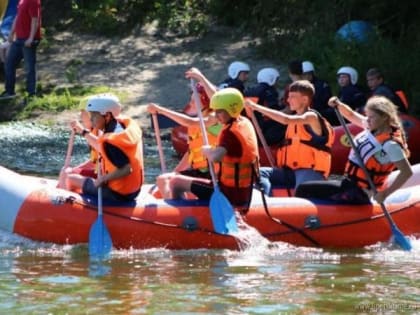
{"x": 229, "y": 99}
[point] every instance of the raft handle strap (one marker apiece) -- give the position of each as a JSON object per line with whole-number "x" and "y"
{"x": 288, "y": 225}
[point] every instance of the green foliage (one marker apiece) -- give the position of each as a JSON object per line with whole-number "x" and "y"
{"x": 287, "y": 29}
{"x": 101, "y": 20}
{"x": 183, "y": 17}
{"x": 59, "y": 99}
{"x": 72, "y": 70}
{"x": 114, "y": 17}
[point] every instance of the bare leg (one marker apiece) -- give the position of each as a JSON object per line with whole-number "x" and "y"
{"x": 62, "y": 178}
{"x": 180, "y": 184}
{"x": 163, "y": 183}
{"x": 74, "y": 181}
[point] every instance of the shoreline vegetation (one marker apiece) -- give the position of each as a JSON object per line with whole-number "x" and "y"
{"x": 140, "y": 50}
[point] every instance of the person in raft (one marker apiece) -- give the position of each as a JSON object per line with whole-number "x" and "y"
{"x": 236, "y": 153}
{"x": 193, "y": 163}
{"x": 305, "y": 153}
{"x": 120, "y": 151}
{"x": 265, "y": 93}
{"x": 89, "y": 167}
{"x": 350, "y": 92}
{"x": 382, "y": 147}
{"x": 238, "y": 72}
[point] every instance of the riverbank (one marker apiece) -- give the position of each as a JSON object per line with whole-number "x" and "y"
{"x": 145, "y": 67}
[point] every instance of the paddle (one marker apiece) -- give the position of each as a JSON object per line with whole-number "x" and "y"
{"x": 261, "y": 137}
{"x": 67, "y": 160}
{"x": 399, "y": 237}
{"x": 165, "y": 122}
{"x": 222, "y": 212}
{"x": 159, "y": 143}
{"x": 100, "y": 242}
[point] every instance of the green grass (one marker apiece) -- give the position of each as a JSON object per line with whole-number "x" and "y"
{"x": 58, "y": 99}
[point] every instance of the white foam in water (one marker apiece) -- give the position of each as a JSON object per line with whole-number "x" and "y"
{"x": 392, "y": 252}
{"x": 248, "y": 237}
{"x": 253, "y": 247}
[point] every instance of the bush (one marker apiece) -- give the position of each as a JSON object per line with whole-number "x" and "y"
{"x": 288, "y": 29}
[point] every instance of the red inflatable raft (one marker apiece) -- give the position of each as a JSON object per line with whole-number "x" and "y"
{"x": 32, "y": 207}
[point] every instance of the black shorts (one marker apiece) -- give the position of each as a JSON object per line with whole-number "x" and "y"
{"x": 89, "y": 188}
{"x": 344, "y": 191}
{"x": 196, "y": 173}
{"x": 203, "y": 191}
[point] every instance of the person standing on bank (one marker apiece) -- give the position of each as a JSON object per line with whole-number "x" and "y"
{"x": 24, "y": 38}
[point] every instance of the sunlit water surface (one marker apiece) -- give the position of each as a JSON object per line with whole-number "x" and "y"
{"x": 262, "y": 278}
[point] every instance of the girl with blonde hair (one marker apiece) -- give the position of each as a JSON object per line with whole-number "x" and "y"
{"x": 382, "y": 147}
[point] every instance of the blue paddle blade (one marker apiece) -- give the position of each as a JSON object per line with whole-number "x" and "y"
{"x": 100, "y": 243}
{"x": 400, "y": 239}
{"x": 222, "y": 213}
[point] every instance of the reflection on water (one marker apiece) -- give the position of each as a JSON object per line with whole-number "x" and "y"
{"x": 280, "y": 279}
{"x": 262, "y": 278}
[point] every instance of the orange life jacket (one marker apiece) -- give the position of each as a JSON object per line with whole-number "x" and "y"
{"x": 196, "y": 158}
{"x": 238, "y": 171}
{"x": 378, "y": 172}
{"x": 130, "y": 142}
{"x": 301, "y": 148}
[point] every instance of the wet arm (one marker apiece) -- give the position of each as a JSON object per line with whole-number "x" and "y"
{"x": 214, "y": 154}
{"x": 348, "y": 113}
{"x": 281, "y": 117}
{"x": 118, "y": 173}
{"x": 180, "y": 118}
{"x": 196, "y": 74}
{"x": 405, "y": 173}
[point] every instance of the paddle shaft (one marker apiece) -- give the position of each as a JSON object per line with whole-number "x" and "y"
{"x": 262, "y": 139}
{"x": 221, "y": 210}
{"x": 100, "y": 206}
{"x": 67, "y": 160}
{"x": 100, "y": 242}
{"x": 203, "y": 128}
{"x": 363, "y": 166}
{"x": 159, "y": 143}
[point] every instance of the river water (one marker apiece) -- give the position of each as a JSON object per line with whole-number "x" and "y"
{"x": 43, "y": 278}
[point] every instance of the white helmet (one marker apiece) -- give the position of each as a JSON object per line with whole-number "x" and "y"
{"x": 103, "y": 103}
{"x": 236, "y": 67}
{"x": 307, "y": 66}
{"x": 268, "y": 75}
{"x": 351, "y": 72}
